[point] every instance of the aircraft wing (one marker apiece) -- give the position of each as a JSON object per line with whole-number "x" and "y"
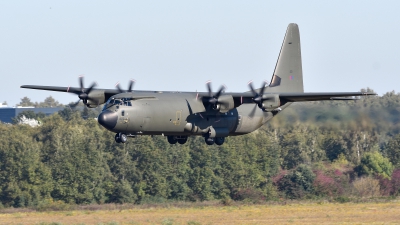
{"x": 66, "y": 89}
{"x": 75, "y": 90}
{"x": 300, "y": 97}
{"x": 247, "y": 97}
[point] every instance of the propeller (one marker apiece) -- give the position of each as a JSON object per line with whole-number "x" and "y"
{"x": 130, "y": 86}
{"x": 213, "y": 98}
{"x": 258, "y": 97}
{"x": 84, "y": 93}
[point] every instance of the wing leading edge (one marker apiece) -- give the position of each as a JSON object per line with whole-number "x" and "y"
{"x": 245, "y": 97}
{"x": 248, "y": 97}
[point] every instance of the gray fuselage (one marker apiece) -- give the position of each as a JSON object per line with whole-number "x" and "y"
{"x": 170, "y": 113}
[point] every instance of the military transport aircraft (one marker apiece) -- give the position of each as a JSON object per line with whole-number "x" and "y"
{"x": 213, "y": 115}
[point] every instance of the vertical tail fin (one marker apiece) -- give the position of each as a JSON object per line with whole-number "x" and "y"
{"x": 288, "y": 74}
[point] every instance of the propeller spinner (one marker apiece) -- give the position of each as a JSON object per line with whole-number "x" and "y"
{"x": 84, "y": 93}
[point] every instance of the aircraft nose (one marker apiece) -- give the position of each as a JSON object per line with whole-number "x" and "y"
{"x": 108, "y": 119}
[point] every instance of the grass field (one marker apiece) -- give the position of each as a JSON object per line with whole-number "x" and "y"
{"x": 298, "y": 213}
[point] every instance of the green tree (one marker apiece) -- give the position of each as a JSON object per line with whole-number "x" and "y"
{"x": 294, "y": 149}
{"x": 393, "y": 150}
{"x": 373, "y": 163}
{"x": 202, "y": 174}
{"x": 74, "y": 152}
{"x": 48, "y": 102}
{"x": 297, "y": 183}
{"x": 333, "y": 145}
{"x": 24, "y": 179}
{"x": 25, "y": 101}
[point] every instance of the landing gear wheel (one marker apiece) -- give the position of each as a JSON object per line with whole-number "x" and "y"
{"x": 172, "y": 140}
{"x": 123, "y": 137}
{"x": 117, "y": 139}
{"x": 219, "y": 140}
{"x": 209, "y": 140}
{"x": 182, "y": 140}
{"x": 120, "y": 138}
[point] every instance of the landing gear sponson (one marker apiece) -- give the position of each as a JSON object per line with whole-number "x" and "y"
{"x": 122, "y": 138}
{"x": 183, "y": 139}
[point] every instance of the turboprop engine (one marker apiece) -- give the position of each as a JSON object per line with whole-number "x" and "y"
{"x": 225, "y": 103}
{"x": 95, "y": 98}
{"x": 270, "y": 103}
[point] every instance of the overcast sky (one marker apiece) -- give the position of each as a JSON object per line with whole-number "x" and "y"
{"x": 179, "y": 45}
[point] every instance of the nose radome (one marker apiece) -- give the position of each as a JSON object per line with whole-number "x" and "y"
{"x": 108, "y": 119}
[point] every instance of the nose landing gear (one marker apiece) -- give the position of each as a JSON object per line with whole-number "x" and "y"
{"x": 120, "y": 138}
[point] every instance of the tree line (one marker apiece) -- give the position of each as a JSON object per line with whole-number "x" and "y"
{"x": 337, "y": 150}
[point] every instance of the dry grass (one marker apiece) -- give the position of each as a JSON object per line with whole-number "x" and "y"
{"x": 299, "y": 213}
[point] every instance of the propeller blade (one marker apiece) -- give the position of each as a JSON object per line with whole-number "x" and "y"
{"x": 220, "y": 91}
{"x": 252, "y": 88}
{"x": 131, "y": 83}
{"x": 209, "y": 88}
{"x": 253, "y": 111}
{"x": 91, "y": 87}
{"x": 81, "y": 82}
{"x": 74, "y": 104}
{"x": 130, "y": 86}
{"x": 262, "y": 88}
{"x": 119, "y": 87}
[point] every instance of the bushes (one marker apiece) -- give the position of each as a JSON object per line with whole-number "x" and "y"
{"x": 366, "y": 187}
{"x": 333, "y": 182}
{"x": 298, "y": 183}
{"x": 390, "y": 186}
{"x": 248, "y": 194}
{"x": 325, "y": 185}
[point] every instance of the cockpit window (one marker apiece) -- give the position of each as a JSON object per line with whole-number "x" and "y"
{"x": 112, "y": 101}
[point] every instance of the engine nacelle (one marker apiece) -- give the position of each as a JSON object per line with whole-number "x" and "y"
{"x": 273, "y": 102}
{"x": 96, "y": 98}
{"x": 225, "y": 103}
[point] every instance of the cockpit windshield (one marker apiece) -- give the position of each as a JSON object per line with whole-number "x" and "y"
{"x": 113, "y": 101}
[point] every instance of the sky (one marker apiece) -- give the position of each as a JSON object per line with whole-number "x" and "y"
{"x": 179, "y": 45}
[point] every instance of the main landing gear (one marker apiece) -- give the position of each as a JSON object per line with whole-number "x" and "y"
{"x": 120, "y": 138}
{"x": 216, "y": 140}
{"x": 174, "y": 139}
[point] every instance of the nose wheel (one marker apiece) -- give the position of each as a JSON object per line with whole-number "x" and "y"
{"x": 120, "y": 138}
